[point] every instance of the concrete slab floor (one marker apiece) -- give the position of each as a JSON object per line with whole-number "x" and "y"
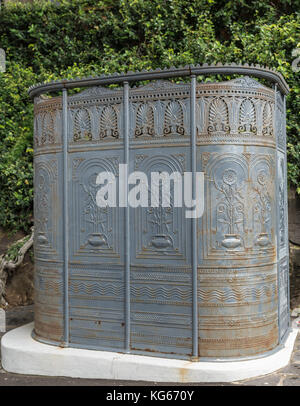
{"x": 288, "y": 376}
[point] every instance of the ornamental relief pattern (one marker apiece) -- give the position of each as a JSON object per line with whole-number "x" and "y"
{"x": 161, "y": 229}
{"x": 282, "y": 220}
{"x": 96, "y": 228}
{"x": 239, "y": 205}
{"x": 245, "y": 109}
{"x": 224, "y": 111}
{"x": 216, "y": 118}
{"x": 228, "y": 117}
{"x": 144, "y": 120}
{"x": 281, "y": 205}
{"x": 92, "y": 124}
{"x": 280, "y": 122}
{"x": 47, "y": 128}
{"x": 162, "y": 118}
{"x": 283, "y": 295}
{"x": 46, "y": 174}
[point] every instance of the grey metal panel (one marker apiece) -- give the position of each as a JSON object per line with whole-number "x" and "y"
{"x": 161, "y": 264}
{"x": 282, "y": 219}
{"x": 241, "y": 278}
{"x": 96, "y": 253}
{"x": 47, "y": 247}
{"x": 48, "y": 221}
{"x": 96, "y": 232}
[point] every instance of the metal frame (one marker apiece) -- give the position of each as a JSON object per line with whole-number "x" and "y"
{"x": 125, "y": 79}
{"x": 287, "y": 213}
{"x": 65, "y": 216}
{"x": 194, "y": 221}
{"x": 230, "y": 69}
{"x": 127, "y": 219}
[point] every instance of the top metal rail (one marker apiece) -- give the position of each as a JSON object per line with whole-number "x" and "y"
{"x": 189, "y": 70}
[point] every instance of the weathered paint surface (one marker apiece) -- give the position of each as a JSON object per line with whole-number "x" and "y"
{"x": 242, "y": 245}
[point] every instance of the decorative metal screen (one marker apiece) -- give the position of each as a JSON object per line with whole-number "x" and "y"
{"x": 148, "y": 280}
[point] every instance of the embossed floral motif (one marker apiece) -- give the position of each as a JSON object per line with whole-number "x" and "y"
{"x": 161, "y": 219}
{"x": 96, "y": 216}
{"x": 230, "y": 208}
{"x": 283, "y": 296}
{"x": 48, "y": 129}
{"x": 42, "y": 209}
{"x": 174, "y": 119}
{"x": 280, "y": 128}
{"x": 144, "y": 120}
{"x": 109, "y": 123}
{"x": 39, "y": 138}
{"x": 229, "y": 177}
{"x": 262, "y": 206}
{"x": 281, "y": 206}
{"x": 262, "y": 177}
{"x": 218, "y": 116}
{"x": 247, "y": 117}
{"x": 246, "y": 81}
{"x": 82, "y": 125}
{"x": 267, "y": 120}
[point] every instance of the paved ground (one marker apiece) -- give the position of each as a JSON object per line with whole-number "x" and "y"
{"x": 288, "y": 376}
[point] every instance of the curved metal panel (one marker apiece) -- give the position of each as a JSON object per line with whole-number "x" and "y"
{"x": 234, "y": 132}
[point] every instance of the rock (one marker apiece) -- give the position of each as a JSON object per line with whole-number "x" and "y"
{"x": 295, "y": 312}
{"x": 2, "y": 321}
{"x": 294, "y": 216}
{"x": 294, "y": 276}
{"x": 295, "y": 254}
{"x": 6, "y": 239}
{"x": 20, "y": 284}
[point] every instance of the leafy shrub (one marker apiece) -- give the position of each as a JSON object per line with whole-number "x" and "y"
{"x": 65, "y": 39}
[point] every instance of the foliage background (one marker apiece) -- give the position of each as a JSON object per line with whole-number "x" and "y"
{"x": 63, "y": 39}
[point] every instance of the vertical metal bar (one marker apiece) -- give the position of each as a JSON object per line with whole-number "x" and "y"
{"x": 287, "y": 212}
{"x": 277, "y": 217}
{"x": 194, "y": 220}
{"x": 65, "y": 215}
{"x": 126, "y": 217}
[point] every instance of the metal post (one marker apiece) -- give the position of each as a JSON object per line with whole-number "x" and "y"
{"x": 287, "y": 212}
{"x": 277, "y": 226}
{"x": 194, "y": 220}
{"x": 126, "y": 217}
{"x": 277, "y": 229}
{"x": 65, "y": 215}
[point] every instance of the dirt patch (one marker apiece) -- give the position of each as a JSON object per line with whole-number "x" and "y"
{"x": 20, "y": 284}
{"x": 294, "y": 275}
{"x": 6, "y": 239}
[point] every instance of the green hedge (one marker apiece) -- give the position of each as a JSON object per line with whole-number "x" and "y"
{"x": 45, "y": 41}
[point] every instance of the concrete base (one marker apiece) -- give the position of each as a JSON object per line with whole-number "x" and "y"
{"x": 22, "y": 354}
